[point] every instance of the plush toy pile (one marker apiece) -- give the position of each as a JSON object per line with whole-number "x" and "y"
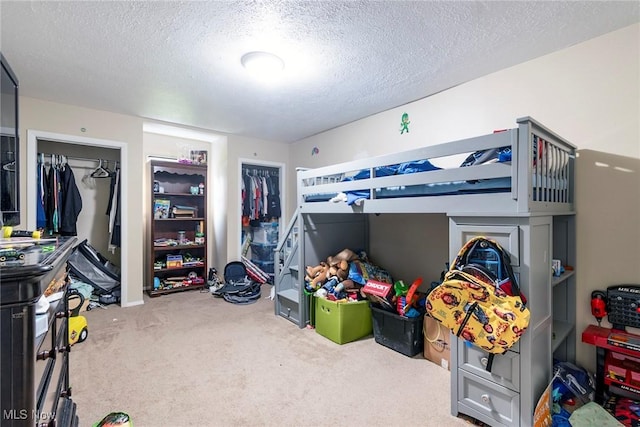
{"x": 347, "y": 275}
{"x": 330, "y": 279}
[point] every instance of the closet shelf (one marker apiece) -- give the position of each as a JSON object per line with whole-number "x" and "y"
{"x": 179, "y": 219}
{"x": 178, "y": 194}
{"x": 177, "y": 247}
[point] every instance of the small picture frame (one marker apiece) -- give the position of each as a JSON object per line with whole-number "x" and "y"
{"x": 198, "y": 157}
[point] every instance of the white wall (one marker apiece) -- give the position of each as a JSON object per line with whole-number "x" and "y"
{"x": 44, "y": 116}
{"x": 588, "y": 94}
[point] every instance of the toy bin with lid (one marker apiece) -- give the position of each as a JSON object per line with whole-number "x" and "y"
{"x": 342, "y": 322}
{"x": 265, "y": 233}
{"x": 262, "y": 252}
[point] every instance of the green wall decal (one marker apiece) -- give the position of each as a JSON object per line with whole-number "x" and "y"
{"x": 404, "y": 125}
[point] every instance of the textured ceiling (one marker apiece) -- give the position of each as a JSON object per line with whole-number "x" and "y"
{"x": 179, "y": 62}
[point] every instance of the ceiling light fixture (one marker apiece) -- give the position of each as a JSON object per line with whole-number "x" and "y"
{"x": 263, "y": 65}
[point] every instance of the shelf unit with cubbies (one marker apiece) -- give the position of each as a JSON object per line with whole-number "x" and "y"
{"x": 177, "y": 244}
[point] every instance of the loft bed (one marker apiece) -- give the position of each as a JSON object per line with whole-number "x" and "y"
{"x": 532, "y": 176}
{"x": 515, "y": 186}
{"x": 532, "y": 173}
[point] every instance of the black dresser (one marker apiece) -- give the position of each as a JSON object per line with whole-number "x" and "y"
{"x": 34, "y": 368}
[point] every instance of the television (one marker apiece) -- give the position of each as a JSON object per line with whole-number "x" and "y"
{"x": 9, "y": 146}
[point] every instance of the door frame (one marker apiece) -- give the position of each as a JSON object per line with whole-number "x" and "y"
{"x": 32, "y": 189}
{"x": 282, "y": 222}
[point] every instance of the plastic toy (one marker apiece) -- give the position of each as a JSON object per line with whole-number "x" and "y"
{"x": 78, "y": 331}
{"x": 400, "y": 288}
{"x": 115, "y": 419}
{"x": 412, "y": 297}
{"x": 10, "y": 254}
{"x": 8, "y": 231}
{"x": 78, "y": 328}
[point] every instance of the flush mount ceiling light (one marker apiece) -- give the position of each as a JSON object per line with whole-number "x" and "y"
{"x": 263, "y": 65}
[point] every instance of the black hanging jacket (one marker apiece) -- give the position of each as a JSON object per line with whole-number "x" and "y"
{"x": 71, "y": 202}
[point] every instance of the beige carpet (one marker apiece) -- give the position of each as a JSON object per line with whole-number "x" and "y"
{"x": 189, "y": 359}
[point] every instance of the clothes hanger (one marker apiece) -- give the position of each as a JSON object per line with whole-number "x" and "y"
{"x": 101, "y": 172}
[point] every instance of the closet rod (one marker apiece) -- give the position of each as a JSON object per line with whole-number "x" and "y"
{"x": 81, "y": 158}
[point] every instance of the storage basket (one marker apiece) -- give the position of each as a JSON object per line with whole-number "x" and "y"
{"x": 342, "y": 322}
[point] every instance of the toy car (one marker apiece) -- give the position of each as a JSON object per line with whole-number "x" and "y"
{"x": 78, "y": 329}
{"x": 10, "y": 254}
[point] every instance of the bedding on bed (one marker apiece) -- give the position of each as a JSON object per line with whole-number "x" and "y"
{"x": 502, "y": 154}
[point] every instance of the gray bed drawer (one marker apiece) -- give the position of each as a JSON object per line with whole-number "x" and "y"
{"x": 487, "y": 401}
{"x": 505, "y": 370}
{"x": 288, "y": 309}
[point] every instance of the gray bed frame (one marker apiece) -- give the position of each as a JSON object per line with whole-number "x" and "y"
{"x": 533, "y": 220}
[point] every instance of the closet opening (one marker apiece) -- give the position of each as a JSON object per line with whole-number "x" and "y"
{"x": 96, "y": 178}
{"x": 261, "y": 216}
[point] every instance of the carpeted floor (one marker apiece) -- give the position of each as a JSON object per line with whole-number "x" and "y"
{"x": 189, "y": 359}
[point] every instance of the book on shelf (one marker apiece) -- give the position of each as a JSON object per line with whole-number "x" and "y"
{"x": 184, "y": 211}
{"x": 161, "y": 208}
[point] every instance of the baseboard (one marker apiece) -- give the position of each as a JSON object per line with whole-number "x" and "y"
{"x": 132, "y": 303}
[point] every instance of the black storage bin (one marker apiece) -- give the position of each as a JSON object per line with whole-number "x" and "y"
{"x": 402, "y": 334}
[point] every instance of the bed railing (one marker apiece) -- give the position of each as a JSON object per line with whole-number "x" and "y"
{"x": 538, "y": 178}
{"x": 546, "y": 167}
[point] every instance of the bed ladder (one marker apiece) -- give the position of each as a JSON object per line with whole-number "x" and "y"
{"x": 290, "y": 300}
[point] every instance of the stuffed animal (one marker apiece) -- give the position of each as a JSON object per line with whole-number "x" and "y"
{"x": 317, "y": 276}
{"x": 336, "y": 266}
{"x": 344, "y": 255}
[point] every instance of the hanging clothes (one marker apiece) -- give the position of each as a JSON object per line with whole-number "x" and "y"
{"x": 41, "y": 218}
{"x": 246, "y": 189}
{"x": 113, "y": 210}
{"x": 70, "y": 202}
{"x": 49, "y": 186}
{"x": 260, "y": 194}
{"x": 274, "y": 197}
{"x": 59, "y": 200}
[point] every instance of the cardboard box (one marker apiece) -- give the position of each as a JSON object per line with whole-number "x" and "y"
{"x": 437, "y": 342}
{"x": 343, "y": 322}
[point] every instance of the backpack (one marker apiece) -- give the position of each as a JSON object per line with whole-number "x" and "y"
{"x": 479, "y": 299}
{"x": 238, "y": 287}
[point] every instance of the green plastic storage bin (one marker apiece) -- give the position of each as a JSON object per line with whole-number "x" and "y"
{"x": 309, "y": 299}
{"x": 343, "y": 322}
